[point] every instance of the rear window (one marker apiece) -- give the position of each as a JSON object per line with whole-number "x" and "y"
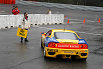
{"x": 65, "y": 35}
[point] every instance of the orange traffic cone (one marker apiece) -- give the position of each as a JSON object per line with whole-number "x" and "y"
{"x": 84, "y": 21}
{"x": 99, "y": 20}
{"x": 68, "y": 21}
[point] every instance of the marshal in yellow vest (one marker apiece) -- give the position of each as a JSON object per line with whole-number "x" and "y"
{"x": 22, "y": 32}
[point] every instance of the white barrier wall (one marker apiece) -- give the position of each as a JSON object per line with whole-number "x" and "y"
{"x": 35, "y": 19}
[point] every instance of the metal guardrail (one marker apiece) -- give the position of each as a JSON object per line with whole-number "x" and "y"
{"x": 70, "y": 6}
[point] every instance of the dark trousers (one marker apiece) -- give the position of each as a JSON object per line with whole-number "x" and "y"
{"x": 23, "y": 38}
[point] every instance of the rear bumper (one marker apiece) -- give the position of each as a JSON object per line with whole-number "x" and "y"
{"x": 54, "y": 52}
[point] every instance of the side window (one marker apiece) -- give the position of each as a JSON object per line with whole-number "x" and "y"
{"x": 48, "y": 33}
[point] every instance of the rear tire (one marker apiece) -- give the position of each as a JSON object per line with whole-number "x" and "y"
{"x": 41, "y": 44}
{"x": 44, "y": 52}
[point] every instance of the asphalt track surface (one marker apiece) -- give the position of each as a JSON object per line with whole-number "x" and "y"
{"x": 16, "y": 55}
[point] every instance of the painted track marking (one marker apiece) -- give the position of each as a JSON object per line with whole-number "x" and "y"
{"x": 77, "y": 31}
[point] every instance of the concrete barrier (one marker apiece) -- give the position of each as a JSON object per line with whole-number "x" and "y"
{"x": 8, "y": 21}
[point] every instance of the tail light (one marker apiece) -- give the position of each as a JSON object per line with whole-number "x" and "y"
{"x": 84, "y": 46}
{"x": 51, "y": 44}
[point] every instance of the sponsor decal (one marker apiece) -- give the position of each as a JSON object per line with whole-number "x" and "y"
{"x": 68, "y": 45}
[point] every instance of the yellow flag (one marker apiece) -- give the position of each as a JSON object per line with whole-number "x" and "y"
{"x": 22, "y": 32}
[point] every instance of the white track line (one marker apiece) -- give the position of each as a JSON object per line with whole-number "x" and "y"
{"x": 78, "y": 32}
{"x": 88, "y": 33}
{"x": 46, "y": 28}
